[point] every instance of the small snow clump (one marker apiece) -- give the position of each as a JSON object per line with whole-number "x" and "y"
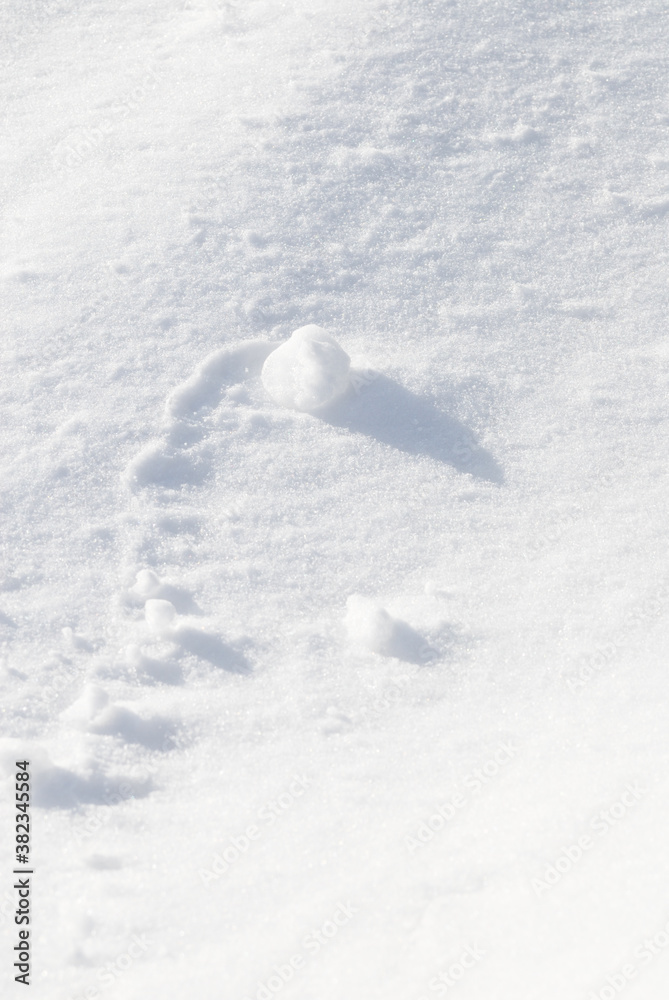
{"x": 308, "y": 371}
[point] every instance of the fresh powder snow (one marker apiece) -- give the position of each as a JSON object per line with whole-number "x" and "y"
{"x": 334, "y": 428}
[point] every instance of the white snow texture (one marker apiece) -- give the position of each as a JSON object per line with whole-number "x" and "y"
{"x": 334, "y": 600}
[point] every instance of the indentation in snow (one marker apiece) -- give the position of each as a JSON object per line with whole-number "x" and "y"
{"x": 151, "y": 670}
{"x": 160, "y": 465}
{"x": 211, "y": 648}
{"x": 226, "y": 366}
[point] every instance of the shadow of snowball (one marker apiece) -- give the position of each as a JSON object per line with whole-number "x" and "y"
{"x": 93, "y": 713}
{"x": 210, "y": 648}
{"x": 393, "y": 415}
{"x": 161, "y": 619}
{"x": 157, "y": 465}
{"x": 148, "y": 586}
{"x": 154, "y": 733}
{"x": 54, "y": 787}
{"x": 152, "y": 671}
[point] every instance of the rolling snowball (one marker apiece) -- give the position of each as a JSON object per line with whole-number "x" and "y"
{"x": 308, "y": 371}
{"x": 369, "y": 625}
{"x": 160, "y": 616}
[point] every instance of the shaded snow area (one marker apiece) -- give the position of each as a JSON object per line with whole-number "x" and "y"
{"x": 334, "y": 592}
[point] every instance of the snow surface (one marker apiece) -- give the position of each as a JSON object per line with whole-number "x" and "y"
{"x": 316, "y": 703}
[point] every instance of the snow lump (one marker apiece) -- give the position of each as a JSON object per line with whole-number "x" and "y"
{"x": 308, "y": 371}
{"x": 370, "y": 626}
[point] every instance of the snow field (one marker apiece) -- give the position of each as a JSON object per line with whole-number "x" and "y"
{"x": 205, "y": 592}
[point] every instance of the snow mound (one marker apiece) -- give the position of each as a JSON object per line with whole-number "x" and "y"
{"x": 56, "y": 787}
{"x": 160, "y": 615}
{"x": 146, "y": 585}
{"x": 162, "y": 620}
{"x": 369, "y": 625}
{"x": 93, "y": 713}
{"x": 308, "y": 371}
{"x": 91, "y": 702}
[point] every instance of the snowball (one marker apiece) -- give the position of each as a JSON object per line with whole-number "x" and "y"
{"x": 159, "y": 615}
{"x": 75, "y": 641}
{"x": 90, "y": 703}
{"x": 147, "y": 583}
{"x": 368, "y": 624}
{"x": 308, "y": 371}
{"x": 371, "y": 626}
